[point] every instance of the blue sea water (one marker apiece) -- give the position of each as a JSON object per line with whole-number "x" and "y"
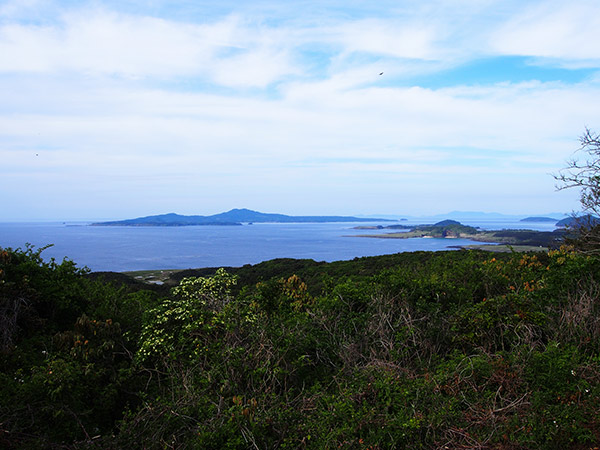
{"x": 140, "y": 248}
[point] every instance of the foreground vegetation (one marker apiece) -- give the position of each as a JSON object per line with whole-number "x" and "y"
{"x": 462, "y": 349}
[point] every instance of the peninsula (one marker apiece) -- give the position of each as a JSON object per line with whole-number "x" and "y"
{"x": 452, "y": 229}
{"x": 233, "y": 217}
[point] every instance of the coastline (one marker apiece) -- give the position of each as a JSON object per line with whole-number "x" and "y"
{"x": 529, "y": 239}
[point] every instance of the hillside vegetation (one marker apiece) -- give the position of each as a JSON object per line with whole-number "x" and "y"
{"x": 423, "y": 350}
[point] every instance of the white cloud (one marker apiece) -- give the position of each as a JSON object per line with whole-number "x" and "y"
{"x": 23, "y": 9}
{"x": 385, "y": 37}
{"x": 253, "y": 69}
{"x": 104, "y": 43}
{"x": 557, "y": 30}
{"x": 242, "y": 108}
{"x": 157, "y": 126}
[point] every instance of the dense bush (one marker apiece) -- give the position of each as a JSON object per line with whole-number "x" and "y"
{"x": 418, "y": 350}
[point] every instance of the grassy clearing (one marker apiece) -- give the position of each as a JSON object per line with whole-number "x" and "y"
{"x": 152, "y": 276}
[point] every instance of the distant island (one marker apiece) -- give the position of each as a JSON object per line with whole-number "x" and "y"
{"x": 231, "y": 218}
{"x": 452, "y": 229}
{"x": 538, "y": 219}
{"x": 586, "y": 220}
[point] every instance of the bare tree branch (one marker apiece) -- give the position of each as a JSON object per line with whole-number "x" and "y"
{"x": 584, "y": 173}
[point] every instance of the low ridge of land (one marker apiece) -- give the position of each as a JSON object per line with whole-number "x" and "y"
{"x": 539, "y": 219}
{"x": 233, "y": 217}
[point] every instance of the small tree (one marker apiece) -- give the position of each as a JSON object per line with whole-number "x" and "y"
{"x": 584, "y": 173}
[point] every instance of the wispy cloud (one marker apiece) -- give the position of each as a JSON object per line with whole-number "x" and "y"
{"x": 209, "y": 107}
{"x": 554, "y": 32}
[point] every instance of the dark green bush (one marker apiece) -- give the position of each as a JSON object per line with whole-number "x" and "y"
{"x": 424, "y": 350}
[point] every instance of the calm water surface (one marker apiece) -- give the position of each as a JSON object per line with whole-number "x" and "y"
{"x": 139, "y": 248}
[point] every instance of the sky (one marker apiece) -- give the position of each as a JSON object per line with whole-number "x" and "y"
{"x": 121, "y": 109}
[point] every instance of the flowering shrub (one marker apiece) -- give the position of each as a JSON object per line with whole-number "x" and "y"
{"x": 179, "y": 326}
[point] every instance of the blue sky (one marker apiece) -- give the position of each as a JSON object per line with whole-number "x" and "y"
{"x": 130, "y": 108}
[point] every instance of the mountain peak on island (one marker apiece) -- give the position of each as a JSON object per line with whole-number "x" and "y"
{"x": 236, "y": 216}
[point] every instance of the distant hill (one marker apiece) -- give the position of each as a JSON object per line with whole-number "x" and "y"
{"x": 167, "y": 220}
{"x": 233, "y": 217}
{"x": 538, "y": 219}
{"x": 581, "y": 221}
{"x": 446, "y": 223}
{"x": 446, "y": 228}
{"x": 478, "y": 215}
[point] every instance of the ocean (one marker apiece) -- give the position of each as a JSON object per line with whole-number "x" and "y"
{"x": 122, "y": 249}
